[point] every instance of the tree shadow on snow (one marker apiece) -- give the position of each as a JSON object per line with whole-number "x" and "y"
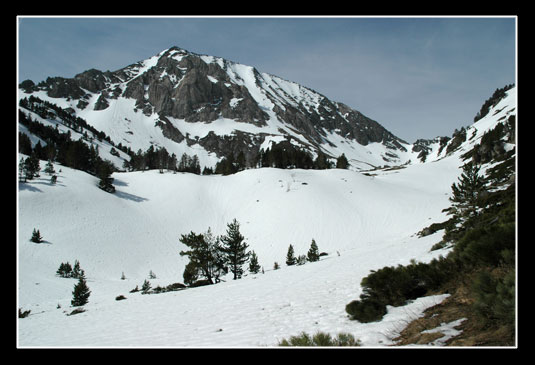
{"x": 26, "y": 186}
{"x": 118, "y": 182}
{"x": 135, "y": 198}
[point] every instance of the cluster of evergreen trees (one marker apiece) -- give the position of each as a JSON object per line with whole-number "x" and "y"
{"x": 285, "y": 155}
{"x": 62, "y": 149}
{"x": 493, "y": 100}
{"x": 211, "y": 257}
{"x": 282, "y": 155}
{"x": 312, "y": 255}
{"x": 231, "y": 164}
{"x": 48, "y": 110}
{"x": 159, "y": 158}
{"x": 65, "y": 270}
{"x": 36, "y": 236}
{"x": 81, "y": 292}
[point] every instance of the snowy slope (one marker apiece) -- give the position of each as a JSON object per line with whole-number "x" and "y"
{"x": 363, "y": 222}
{"x": 497, "y": 114}
{"x": 370, "y": 221}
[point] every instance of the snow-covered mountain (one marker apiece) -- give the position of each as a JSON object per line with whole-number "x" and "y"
{"x": 363, "y": 221}
{"x": 212, "y": 107}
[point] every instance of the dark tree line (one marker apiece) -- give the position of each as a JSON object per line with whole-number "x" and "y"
{"x": 282, "y": 155}
{"x": 50, "y": 111}
{"x": 493, "y": 100}
{"x": 62, "y": 149}
{"x": 159, "y": 158}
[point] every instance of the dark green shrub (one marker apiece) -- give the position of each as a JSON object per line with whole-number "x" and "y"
{"x": 175, "y": 287}
{"x": 366, "y": 310}
{"x": 321, "y": 339}
{"x": 395, "y": 285}
{"x": 495, "y": 297}
{"x": 390, "y": 285}
{"x": 490, "y": 245}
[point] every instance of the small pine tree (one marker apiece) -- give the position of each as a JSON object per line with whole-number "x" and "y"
{"x": 290, "y": 256}
{"x": 254, "y": 267}
{"x": 152, "y": 275}
{"x": 301, "y": 260}
{"x": 31, "y": 167}
{"x": 77, "y": 272}
{"x": 22, "y": 172}
{"x": 104, "y": 172}
{"x": 64, "y": 270}
{"x": 313, "y": 253}
{"x": 465, "y": 194}
{"x": 80, "y": 294}
{"x": 234, "y": 249}
{"x": 49, "y": 168}
{"x": 145, "y": 287}
{"x": 36, "y": 236}
{"x": 341, "y": 162}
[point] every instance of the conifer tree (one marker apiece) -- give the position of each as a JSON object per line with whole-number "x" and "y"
{"x": 313, "y": 253}
{"x": 49, "y": 168}
{"x": 77, "y": 272}
{"x": 106, "y": 181}
{"x": 465, "y": 194}
{"x": 64, "y": 270}
{"x": 30, "y": 167}
{"x": 22, "y": 177}
{"x": 322, "y": 162}
{"x": 234, "y": 249}
{"x": 341, "y": 162}
{"x": 240, "y": 161}
{"x": 80, "y": 294}
{"x": 145, "y": 287}
{"x": 205, "y": 255}
{"x": 290, "y": 256}
{"x": 254, "y": 267}
{"x": 36, "y": 236}
{"x": 191, "y": 273}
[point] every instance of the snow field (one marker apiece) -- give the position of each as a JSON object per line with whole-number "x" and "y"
{"x": 371, "y": 221}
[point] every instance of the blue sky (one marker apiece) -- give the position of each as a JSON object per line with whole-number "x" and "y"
{"x": 420, "y": 77}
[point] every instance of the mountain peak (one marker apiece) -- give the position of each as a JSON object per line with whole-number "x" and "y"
{"x": 220, "y": 106}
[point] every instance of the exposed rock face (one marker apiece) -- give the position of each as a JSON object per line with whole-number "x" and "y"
{"x": 201, "y": 89}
